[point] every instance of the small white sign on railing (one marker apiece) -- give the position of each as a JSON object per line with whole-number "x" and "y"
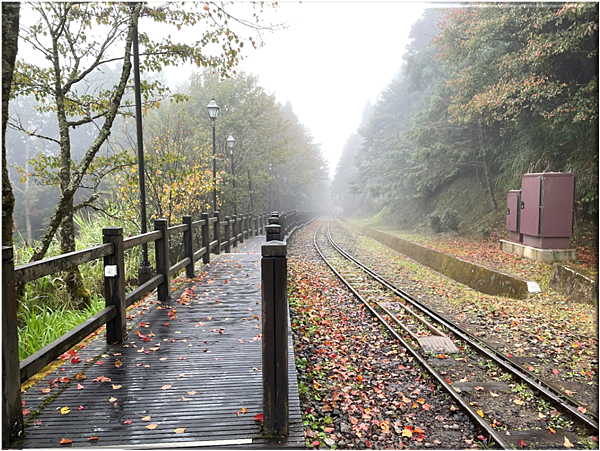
{"x": 110, "y": 271}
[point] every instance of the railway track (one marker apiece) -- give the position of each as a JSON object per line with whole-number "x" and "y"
{"x": 514, "y": 407}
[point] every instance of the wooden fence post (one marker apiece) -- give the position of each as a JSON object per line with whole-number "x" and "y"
{"x": 241, "y": 228}
{"x": 227, "y": 234}
{"x": 205, "y": 238}
{"x": 217, "y": 232}
{"x": 234, "y": 231}
{"x": 161, "y": 247}
{"x": 273, "y": 232}
{"x": 275, "y": 339}
{"x": 188, "y": 246}
{"x": 12, "y": 409}
{"x": 114, "y": 284}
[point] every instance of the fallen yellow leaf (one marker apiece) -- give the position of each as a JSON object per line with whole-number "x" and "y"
{"x": 494, "y": 395}
{"x": 243, "y": 410}
{"x": 112, "y": 399}
{"x": 166, "y": 387}
{"x": 192, "y": 392}
{"x": 152, "y": 426}
{"x": 480, "y": 413}
{"x": 116, "y": 387}
{"x": 146, "y": 418}
{"x": 65, "y": 410}
{"x": 406, "y": 433}
{"x": 180, "y": 430}
{"x": 568, "y": 444}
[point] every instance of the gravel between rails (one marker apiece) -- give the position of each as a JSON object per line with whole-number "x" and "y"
{"x": 358, "y": 387}
{"x": 551, "y": 337}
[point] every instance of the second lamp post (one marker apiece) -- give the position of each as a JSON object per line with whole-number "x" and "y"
{"x": 230, "y": 143}
{"x": 213, "y": 112}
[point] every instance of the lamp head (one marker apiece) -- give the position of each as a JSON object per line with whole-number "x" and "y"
{"x": 213, "y": 109}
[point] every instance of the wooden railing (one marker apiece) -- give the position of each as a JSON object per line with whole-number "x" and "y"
{"x": 235, "y": 230}
{"x": 226, "y": 233}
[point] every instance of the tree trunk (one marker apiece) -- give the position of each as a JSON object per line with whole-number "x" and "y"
{"x": 486, "y": 171}
{"x": 10, "y": 39}
{"x": 79, "y": 172}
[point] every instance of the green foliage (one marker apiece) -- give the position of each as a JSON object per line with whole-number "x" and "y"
{"x": 41, "y": 325}
{"x": 435, "y": 222}
{"x": 500, "y": 91}
{"x": 450, "y": 219}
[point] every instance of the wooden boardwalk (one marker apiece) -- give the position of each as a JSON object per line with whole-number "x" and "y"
{"x": 189, "y": 375}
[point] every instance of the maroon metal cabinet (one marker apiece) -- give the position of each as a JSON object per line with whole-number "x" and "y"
{"x": 547, "y": 209}
{"x": 513, "y": 215}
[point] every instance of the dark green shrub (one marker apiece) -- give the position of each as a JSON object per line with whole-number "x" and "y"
{"x": 450, "y": 220}
{"x": 435, "y": 222}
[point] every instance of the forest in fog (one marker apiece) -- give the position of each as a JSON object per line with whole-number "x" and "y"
{"x": 489, "y": 93}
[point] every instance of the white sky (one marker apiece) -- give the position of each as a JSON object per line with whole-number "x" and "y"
{"x": 332, "y": 58}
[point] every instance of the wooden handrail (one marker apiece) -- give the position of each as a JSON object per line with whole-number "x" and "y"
{"x": 32, "y": 271}
{"x": 138, "y": 240}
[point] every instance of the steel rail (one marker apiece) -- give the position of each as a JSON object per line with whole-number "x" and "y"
{"x": 543, "y": 387}
{"x": 492, "y": 433}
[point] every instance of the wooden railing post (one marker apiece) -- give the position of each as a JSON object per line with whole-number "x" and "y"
{"x": 217, "y": 232}
{"x": 275, "y": 339}
{"x": 205, "y": 238}
{"x": 273, "y": 232}
{"x": 12, "y": 409}
{"x": 234, "y": 230}
{"x": 114, "y": 284}
{"x": 227, "y": 234}
{"x": 161, "y": 247}
{"x": 188, "y": 246}
{"x": 241, "y": 228}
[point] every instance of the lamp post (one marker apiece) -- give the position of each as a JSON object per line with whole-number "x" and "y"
{"x": 213, "y": 112}
{"x": 230, "y": 143}
{"x": 145, "y": 271}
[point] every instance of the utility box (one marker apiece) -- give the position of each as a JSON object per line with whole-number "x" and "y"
{"x": 546, "y": 216}
{"x": 513, "y": 215}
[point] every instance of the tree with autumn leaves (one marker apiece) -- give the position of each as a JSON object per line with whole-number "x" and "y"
{"x": 73, "y": 41}
{"x": 528, "y": 74}
{"x": 502, "y": 89}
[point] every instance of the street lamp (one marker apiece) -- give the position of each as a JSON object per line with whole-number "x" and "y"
{"x": 145, "y": 271}
{"x": 230, "y": 143}
{"x": 213, "y": 112}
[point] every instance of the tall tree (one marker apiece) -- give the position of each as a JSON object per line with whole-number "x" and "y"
{"x": 10, "y": 38}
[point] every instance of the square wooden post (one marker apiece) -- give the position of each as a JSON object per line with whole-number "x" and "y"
{"x": 12, "y": 409}
{"x": 205, "y": 238}
{"x": 275, "y": 339}
{"x": 217, "y": 232}
{"x": 161, "y": 247}
{"x": 114, "y": 284}
{"x": 241, "y": 227}
{"x": 234, "y": 230}
{"x": 188, "y": 246}
{"x": 227, "y": 234}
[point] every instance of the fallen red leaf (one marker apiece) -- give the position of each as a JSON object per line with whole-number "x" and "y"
{"x": 258, "y": 417}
